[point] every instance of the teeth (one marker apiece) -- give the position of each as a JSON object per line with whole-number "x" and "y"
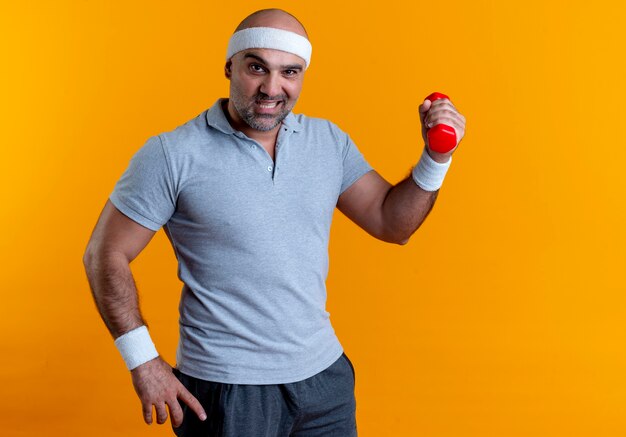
{"x": 268, "y": 105}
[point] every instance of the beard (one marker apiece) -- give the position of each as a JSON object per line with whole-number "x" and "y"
{"x": 261, "y": 122}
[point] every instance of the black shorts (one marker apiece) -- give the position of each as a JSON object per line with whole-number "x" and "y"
{"x": 322, "y": 405}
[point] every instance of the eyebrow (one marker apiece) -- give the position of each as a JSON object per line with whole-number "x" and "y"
{"x": 282, "y": 67}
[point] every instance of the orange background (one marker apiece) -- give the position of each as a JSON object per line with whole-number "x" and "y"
{"x": 504, "y": 315}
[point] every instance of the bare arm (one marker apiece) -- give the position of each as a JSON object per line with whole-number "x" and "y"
{"x": 394, "y": 213}
{"x": 389, "y": 213}
{"x": 115, "y": 242}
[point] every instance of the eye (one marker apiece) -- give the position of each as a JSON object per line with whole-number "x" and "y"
{"x": 291, "y": 72}
{"x": 256, "y": 68}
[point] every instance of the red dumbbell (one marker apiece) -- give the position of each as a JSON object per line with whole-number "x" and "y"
{"x": 441, "y": 138}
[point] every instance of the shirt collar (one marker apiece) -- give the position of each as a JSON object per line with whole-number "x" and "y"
{"x": 215, "y": 118}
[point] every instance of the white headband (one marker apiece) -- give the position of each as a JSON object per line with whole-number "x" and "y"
{"x": 270, "y": 38}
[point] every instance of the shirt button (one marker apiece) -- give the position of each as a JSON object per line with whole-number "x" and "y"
{"x": 269, "y": 168}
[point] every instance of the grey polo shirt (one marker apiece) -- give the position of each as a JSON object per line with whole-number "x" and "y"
{"x": 251, "y": 239}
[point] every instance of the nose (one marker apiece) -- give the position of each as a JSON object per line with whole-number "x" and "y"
{"x": 271, "y": 84}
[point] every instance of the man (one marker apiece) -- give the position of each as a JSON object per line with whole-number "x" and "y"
{"x": 245, "y": 193}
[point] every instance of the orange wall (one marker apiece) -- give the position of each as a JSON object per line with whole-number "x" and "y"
{"x": 504, "y": 315}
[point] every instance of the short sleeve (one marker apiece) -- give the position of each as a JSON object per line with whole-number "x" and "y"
{"x": 354, "y": 164}
{"x": 146, "y": 191}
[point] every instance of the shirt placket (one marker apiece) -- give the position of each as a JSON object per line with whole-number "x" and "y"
{"x": 280, "y": 154}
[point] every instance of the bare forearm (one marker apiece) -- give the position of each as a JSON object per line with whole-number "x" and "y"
{"x": 114, "y": 291}
{"x": 405, "y": 208}
{"x": 407, "y": 204}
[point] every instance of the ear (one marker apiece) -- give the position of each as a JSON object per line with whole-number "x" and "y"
{"x": 227, "y": 69}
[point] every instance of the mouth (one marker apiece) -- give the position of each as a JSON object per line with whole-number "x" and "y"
{"x": 268, "y": 104}
{"x": 268, "y": 107}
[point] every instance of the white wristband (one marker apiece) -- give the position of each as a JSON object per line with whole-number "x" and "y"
{"x": 136, "y": 347}
{"x": 428, "y": 174}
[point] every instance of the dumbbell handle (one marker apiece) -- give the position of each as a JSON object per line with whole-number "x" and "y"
{"x": 441, "y": 138}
